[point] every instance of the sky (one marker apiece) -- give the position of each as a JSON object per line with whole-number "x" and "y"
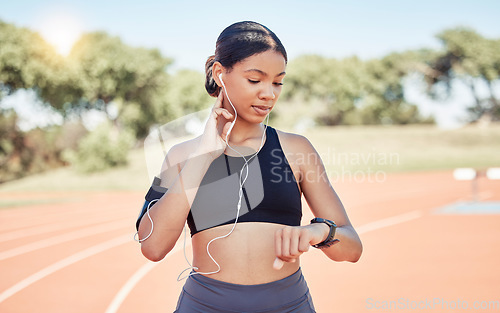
{"x": 186, "y": 31}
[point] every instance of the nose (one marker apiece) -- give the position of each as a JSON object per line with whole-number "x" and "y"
{"x": 267, "y": 93}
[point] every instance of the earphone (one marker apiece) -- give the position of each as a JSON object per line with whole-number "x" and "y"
{"x": 242, "y": 178}
{"x": 240, "y": 193}
{"x": 235, "y": 112}
{"x": 136, "y": 236}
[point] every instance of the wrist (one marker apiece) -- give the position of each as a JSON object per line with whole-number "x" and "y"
{"x": 331, "y": 233}
{"x": 323, "y": 231}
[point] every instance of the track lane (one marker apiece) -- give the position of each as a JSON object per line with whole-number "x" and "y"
{"x": 392, "y": 264}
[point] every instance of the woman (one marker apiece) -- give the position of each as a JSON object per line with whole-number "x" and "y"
{"x": 239, "y": 186}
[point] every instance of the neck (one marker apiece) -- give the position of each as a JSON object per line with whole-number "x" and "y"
{"x": 243, "y": 131}
{"x": 246, "y": 138}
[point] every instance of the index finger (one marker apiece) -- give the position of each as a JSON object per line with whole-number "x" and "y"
{"x": 218, "y": 102}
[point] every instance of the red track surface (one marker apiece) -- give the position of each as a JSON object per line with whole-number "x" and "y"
{"x": 75, "y": 253}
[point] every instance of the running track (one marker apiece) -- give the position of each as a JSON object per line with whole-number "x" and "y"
{"x": 75, "y": 253}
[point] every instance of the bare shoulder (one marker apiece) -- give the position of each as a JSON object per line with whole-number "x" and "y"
{"x": 180, "y": 152}
{"x": 294, "y": 143}
{"x": 174, "y": 161}
{"x": 299, "y": 152}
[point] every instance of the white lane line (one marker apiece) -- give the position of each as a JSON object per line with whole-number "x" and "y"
{"x": 146, "y": 268}
{"x": 32, "y": 219}
{"x": 76, "y": 221}
{"x": 64, "y": 263}
{"x": 129, "y": 285}
{"x": 134, "y": 280}
{"x": 398, "y": 219}
{"x": 89, "y": 231}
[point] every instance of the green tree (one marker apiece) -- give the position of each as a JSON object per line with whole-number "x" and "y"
{"x": 187, "y": 92}
{"x": 101, "y": 149}
{"x": 132, "y": 79}
{"x": 469, "y": 57}
{"x": 26, "y": 60}
{"x": 332, "y": 83}
{"x": 12, "y": 160}
{"x": 352, "y": 91}
{"x": 384, "y": 101}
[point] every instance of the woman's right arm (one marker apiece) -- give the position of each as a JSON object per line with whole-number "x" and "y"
{"x": 169, "y": 214}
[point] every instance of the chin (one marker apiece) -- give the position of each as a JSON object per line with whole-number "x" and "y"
{"x": 258, "y": 119}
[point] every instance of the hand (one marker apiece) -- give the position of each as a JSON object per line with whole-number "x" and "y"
{"x": 213, "y": 140}
{"x": 292, "y": 241}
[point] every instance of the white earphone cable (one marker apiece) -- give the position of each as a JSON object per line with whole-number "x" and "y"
{"x": 242, "y": 180}
{"x": 136, "y": 235}
{"x": 240, "y": 193}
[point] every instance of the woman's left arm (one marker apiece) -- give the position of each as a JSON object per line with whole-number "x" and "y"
{"x": 325, "y": 203}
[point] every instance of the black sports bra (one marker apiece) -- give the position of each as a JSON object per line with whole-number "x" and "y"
{"x": 270, "y": 192}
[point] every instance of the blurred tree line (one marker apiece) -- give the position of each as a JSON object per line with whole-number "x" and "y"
{"x": 129, "y": 85}
{"x": 132, "y": 88}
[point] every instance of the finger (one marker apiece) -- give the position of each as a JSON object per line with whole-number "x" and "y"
{"x": 277, "y": 242}
{"x": 294, "y": 242}
{"x": 285, "y": 243}
{"x": 278, "y": 264}
{"x": 225, "y": 129}
{"x": 218, "y": 102}
{"x": 304, "y": 242}
{"x": 225, "y": 113}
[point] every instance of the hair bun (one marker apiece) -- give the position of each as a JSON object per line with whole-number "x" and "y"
{"x": 210, "y": 85}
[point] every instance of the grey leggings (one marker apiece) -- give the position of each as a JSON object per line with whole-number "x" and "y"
{"x": 206, "y": 295}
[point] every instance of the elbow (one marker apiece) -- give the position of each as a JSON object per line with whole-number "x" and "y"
{"x": 355, "y": 254}
{"x": 352, "y": 254}
{"x": 355, "y": 249}
{"x": 354, "y": 258}
{"x": 154, "y": 254}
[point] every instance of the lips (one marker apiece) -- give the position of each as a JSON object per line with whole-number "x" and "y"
{"x": 261, "y": 109}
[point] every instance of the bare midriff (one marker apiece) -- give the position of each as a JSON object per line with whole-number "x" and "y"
{"x": 246, "y": 256}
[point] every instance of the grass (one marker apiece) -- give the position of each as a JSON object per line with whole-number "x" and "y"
{"x": 131, "y": 177}
{"x": 407, "y": 148}
{"x": 345, "y": 150}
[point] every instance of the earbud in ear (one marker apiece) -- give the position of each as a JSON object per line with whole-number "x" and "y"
{"x": 221, "y": 81}
{"x": 220, "y": 78}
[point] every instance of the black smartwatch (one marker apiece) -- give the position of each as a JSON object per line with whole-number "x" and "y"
{"x": 329, "y": 240}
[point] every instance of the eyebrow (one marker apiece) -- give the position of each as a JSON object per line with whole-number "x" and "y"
{"x": 262, "y": 72}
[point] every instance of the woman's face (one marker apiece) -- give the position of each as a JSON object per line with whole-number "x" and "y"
{"x": 254, "y": 85}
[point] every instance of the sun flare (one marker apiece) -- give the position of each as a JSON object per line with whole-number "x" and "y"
{"x": 62, "y": 30}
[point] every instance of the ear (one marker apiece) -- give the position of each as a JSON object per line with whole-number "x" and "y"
{"x": 217, "y": 69}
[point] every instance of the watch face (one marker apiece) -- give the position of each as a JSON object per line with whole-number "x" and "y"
{"x": 329, "y": 240}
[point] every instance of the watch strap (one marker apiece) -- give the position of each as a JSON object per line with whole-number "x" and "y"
{"x": 329, "y": 241}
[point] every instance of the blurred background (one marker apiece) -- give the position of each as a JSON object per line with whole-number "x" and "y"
{"x": 82, "y": 83}
{"x": 382, "y": 88}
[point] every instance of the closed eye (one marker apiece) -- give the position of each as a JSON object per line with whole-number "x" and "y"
{"x": 257, "y": 81}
